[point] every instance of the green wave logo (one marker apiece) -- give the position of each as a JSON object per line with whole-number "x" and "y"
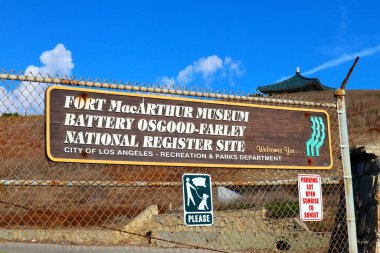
{"x": 317, "y": 137}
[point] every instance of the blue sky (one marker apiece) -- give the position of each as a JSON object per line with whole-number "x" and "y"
{"x": 234, "y": 45}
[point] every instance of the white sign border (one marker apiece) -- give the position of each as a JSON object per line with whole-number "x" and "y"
{"x": 184, "y": 201}
{"x": 299, "y": 196}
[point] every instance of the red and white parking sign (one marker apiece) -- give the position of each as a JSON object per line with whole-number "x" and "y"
{"x": 310, "y": 197}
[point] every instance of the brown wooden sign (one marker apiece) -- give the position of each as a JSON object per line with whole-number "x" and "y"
{"x": 98, "y": 126}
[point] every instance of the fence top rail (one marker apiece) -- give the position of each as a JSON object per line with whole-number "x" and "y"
{"x": 69, "y": 183}
{"x": 160, "y": 90}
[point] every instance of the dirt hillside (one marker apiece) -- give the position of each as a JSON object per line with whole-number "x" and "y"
{"x": 363, "y": 112}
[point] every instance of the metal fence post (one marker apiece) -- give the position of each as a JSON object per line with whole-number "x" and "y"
{"x": 347, "y": 175}
{"x": 344, "y": 146}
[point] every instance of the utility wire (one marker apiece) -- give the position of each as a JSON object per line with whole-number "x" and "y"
{"x": 147, "y": 236}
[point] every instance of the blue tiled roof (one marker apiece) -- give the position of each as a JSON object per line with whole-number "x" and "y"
{"x": 293, "y": 84}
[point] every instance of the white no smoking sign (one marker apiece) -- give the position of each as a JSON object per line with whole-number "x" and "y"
{"x": 310, "y": 197}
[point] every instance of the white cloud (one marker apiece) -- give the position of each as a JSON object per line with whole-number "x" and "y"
{"x": 234, "y": 69}
{"x": 28, "y": 97}
{"x": 185, "y": 76}
{"x": 343, "y": 23}
{"x": 169, "y": 82}
{"x": 206, "y": 70}
{"x": 208, "y": 66}
{"x": 282, "y": 79}
{"x": 338, "y": 61}
{"x": 343, "y": 58}
{"x": 57, "y": 62}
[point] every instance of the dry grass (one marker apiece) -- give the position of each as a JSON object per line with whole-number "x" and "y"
{"x": 363, "y": 112}
{"x": 363, "y": 109}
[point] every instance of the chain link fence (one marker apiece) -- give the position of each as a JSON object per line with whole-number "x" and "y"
{"x": 66, "y": 207}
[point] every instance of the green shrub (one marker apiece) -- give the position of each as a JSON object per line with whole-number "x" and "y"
{"x": 234, "y": 206}
{"x": 5, "y": 114}
{"x": 282, "y": 210}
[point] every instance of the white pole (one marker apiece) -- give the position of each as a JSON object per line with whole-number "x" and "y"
{"x": 347, "y": 176}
